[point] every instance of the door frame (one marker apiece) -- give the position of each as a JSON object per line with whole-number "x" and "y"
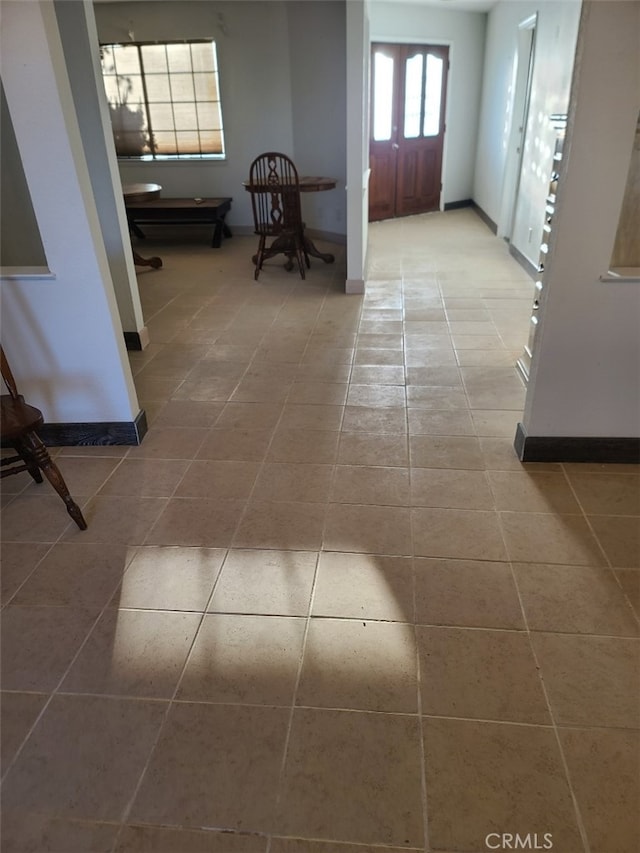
{"x": 439, "y": 42}
{"x": 522, "y": 77}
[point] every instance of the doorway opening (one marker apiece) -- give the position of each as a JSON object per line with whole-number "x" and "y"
{"x": 408, "y": 102}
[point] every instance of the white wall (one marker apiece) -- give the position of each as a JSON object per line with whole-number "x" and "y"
{"x": 465, "y": 33}
{"x": 585, "y": 375}
{"x": 76, "y": 23}
{"x": 62, "y": 332}
{"x": 556, "y": 32}
{"x": 263, "y": 45}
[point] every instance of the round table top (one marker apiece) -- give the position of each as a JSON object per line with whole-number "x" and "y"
{"x": 141, "y": 192}
{"x": 308, "y": 184}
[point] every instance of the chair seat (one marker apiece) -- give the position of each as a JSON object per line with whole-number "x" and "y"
{"x": 18, "y": 417}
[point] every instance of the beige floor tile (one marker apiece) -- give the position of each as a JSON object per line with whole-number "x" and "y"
{"x": 211, "y": 389}
{"x": 489, "y": 357}
{"x": 428, "y": 357}
{"x": 462, "y": 534}
{"x": 312, "y": 417}
{"x": 39, "y": 643}
{"x": 250, "y": 415}
{"x": 629, "y": 580}
{"x": 607, "y": 493}
{"x": 518, "y": 785}
{"x": 375, "y": 449}
{"x": 466, "y": 593}
{"x": 380, "y": 374}
{"x": 34, "y": 833}
{"x": 375, "y": 419}
{"x": 383, "y": 396}
{"x": 207, "y": 523}
{"x": 434, "y": 376}
{"x": 499, "y": 455}
{"x": 364, "y": 586}
{"x": 76, "y": 575}
{"x": 18, "y": 560}
{"x": 117, "y": 520}
{"x": 188, "y": 413}
{"x": 18, "y": 712}
{"x": 529, "y": 491}
{"x": 333, "y": 787}
{"x": 370, "y": 355}
{"x": 576, "y": 600}
{"x": 448, "y": 488}
{"x": 432, "y": 422}
{"x": 34, "y": 517}
{"x": 216, "y": 766}
{"x": 264, "y": 390}
{"x": 296, "y": 845}
{"x": 281, "y": 525}
{"x": 304, "y": 445}
{"x": 368, "y": 529}
{"x": 247, "y": 445}
{"x": 318, "y": 393}
{"x": 289, "y": 481}
{"x": 443, "y": 451}
{"x": 590, "y": 681}
{"x": 480, "y": 674}
{"x": 149, "y": 478}
{"x": 83, "y": 476}
{"x": 605, "y": 777}
{"x": 155, "y": 839}
{"x": 134, "y": 653}
{"x": 369, "y": 666}
{"x": 619, "y": 536}
{"x": 546, "y": 538}
{"x": 495, "y": 423}
{"x": 276, "y": 583}
{"x": 219, "y": 479}
{"x": 168, "y": 578}
{"x": 244, "y": 659}
{"x": 379, "y": 341}
{"x": 436, "y": 397}
{"x": 360, "y": 484}
{"x": 169, "y": 443}
{"x": 56, "y": 774}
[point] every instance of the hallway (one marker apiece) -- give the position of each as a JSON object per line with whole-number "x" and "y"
{"x": 323, "y": 608}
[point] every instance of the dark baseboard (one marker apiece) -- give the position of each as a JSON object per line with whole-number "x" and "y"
{"x": 551, "y": 448}
{"x": 525, "y": 263}
{"x": 488, "y": 221}
{"x": 132, "y": 341}
{"x": 95, "y": 434}
{"x": 454, "y": 205}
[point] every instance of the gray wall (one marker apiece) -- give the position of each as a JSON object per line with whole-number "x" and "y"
{"x": 20, "y": 243}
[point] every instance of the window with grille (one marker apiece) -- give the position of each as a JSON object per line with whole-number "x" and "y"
{"x": 164, "y": 99}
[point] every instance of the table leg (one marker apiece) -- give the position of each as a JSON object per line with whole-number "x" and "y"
{"x": 154, "y": 262}
{"x": 310, "y": 249}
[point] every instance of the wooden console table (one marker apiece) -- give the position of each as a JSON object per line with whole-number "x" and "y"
{"x": 180, "y": 211}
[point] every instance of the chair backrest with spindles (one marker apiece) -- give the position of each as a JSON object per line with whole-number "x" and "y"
{"x": 7, "y": 375}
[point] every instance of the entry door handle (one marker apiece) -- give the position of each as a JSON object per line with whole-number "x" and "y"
{"x": 395, "y": 146}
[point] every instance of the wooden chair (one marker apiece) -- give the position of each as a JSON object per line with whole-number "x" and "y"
{"x": 275, "y": 200}
{"x": 19, "y": 424}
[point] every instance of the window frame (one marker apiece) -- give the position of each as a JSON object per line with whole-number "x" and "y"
{"x": 150, "y": 155}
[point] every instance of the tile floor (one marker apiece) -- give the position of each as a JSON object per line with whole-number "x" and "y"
{"x": 323, "y": 608}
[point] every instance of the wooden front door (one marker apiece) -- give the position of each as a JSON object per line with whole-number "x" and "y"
{"x": 408, "y": 99}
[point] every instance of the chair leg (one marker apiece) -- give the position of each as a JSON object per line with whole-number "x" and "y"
{"x": 27, "y": 457}
{"x": 260, "y": 256}
{"x": 40, "y": 454}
